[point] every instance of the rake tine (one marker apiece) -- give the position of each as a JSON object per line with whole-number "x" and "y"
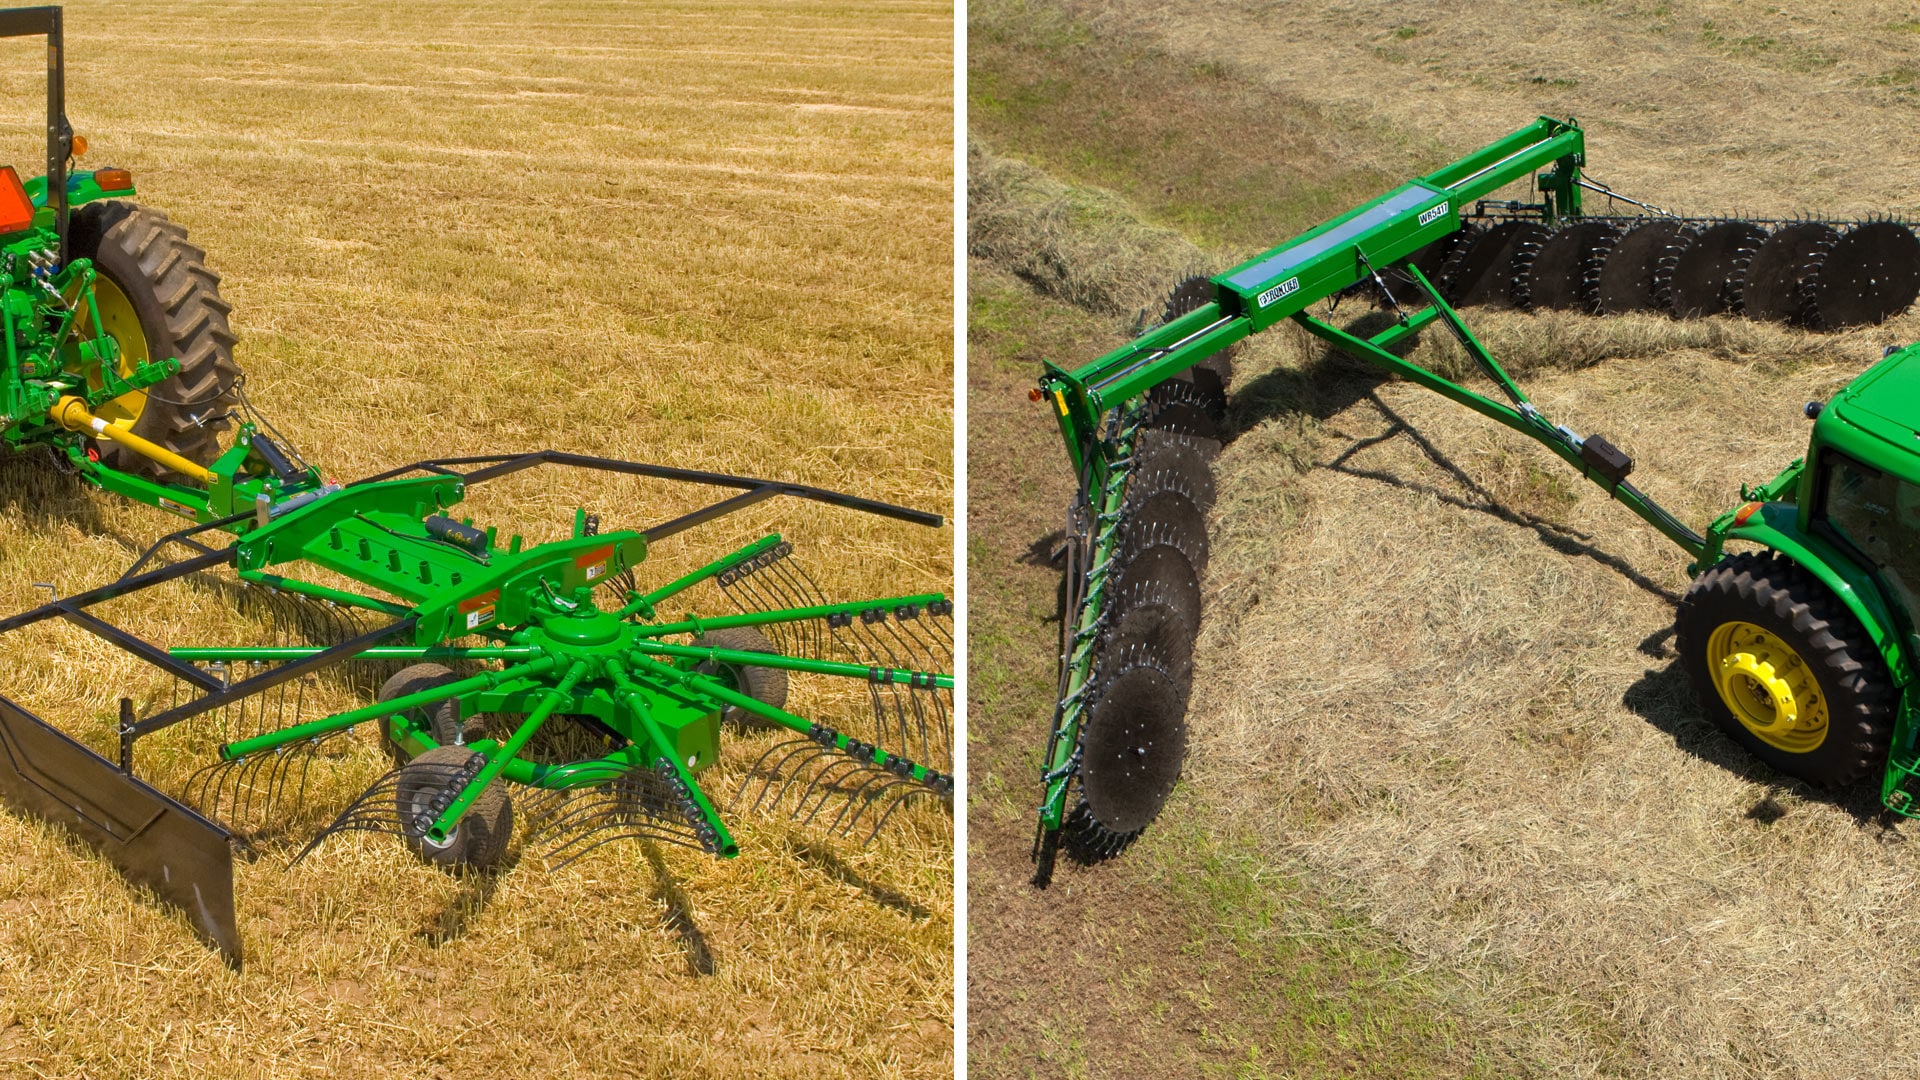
{"x": 900, "y": 798}
{"x": 855, "y": 803}
{"x": 807, "y": 753}
{"x": 823, "y": 784}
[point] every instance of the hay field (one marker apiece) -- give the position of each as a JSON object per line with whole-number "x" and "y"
{"x": 706, "y": 235}
{"x": 1437, "y": 680}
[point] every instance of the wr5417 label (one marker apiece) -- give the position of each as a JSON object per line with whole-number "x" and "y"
{"x": 1285, "y": 288}
{"x": 1434, "y": 214}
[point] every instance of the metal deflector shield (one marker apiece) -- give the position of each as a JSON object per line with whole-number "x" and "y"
{"x": 184, "y": 858}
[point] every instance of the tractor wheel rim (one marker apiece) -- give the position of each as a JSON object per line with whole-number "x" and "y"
{"x": 121, "y": 322}
{"x": 1768, "y": 687}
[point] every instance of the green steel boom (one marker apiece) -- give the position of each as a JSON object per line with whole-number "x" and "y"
{"x": 1105, "y": 410}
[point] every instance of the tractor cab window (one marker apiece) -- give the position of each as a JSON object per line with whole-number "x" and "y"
{"x": 1880, "y": 516}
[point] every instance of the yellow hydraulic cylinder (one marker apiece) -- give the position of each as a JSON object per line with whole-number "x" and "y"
{"x": 71, "y": 413}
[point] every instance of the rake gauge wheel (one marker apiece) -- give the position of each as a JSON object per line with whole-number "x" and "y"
{"x": 442, "y": 718}
{"x": 768, "y": 686}
{"x": 158, "y": 300}
{"x": 1781, "y": 666}
{"x": 480, "y": 839}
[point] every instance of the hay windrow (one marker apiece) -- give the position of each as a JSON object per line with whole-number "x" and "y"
{"x": 1081, "y": 244}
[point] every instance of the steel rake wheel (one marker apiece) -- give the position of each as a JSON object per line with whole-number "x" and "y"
{"x": 1564, "y": 274}
{"x": 1180, "y": 407}
{"x": 1710, "y": 275}
{"x": 1164, "y": 518}
{"x": 1158, "y": 575}
{"x": 1483, "y": 271}
{"x": 1165, "y": 460}
{"x": 1132, "y": 749}
{"x": 1632, "y": 277}
{"x": 1782, "y": 271}
{"x": 1152, "y": 629}
{"x": 1214, "y": 375}
{"x": 1869, "y": 275}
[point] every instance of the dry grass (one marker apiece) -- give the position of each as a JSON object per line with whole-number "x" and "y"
{"x": 711, "y": 237}
{"x": 1714, "y": 107}
{"x": 1437, "y": 677}
{"x": 1076, "y": 243}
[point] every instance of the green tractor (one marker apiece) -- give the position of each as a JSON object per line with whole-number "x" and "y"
{"x": 1803, "y": 650}
{"x": 525, "y": 698}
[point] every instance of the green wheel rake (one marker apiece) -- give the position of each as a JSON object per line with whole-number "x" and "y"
{"x": 1142, "y": 424}
{"x": 402, "y": 670}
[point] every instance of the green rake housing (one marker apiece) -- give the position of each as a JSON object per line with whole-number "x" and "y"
{"x": 530, "y": 699}
{"x": 1802, "y": 652}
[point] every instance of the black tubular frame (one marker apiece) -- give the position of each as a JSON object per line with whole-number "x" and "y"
{"x": 479, "y": 470}
{"x": 492, "y": 466}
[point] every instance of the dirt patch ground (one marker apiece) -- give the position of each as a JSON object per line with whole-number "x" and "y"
{"x": 686, "y": 234}
{"x": 1438, "y": 681}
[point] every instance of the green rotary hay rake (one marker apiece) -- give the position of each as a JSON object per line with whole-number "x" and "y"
{"x": 526, "y": 698}
{"x": 1801, "y": 651}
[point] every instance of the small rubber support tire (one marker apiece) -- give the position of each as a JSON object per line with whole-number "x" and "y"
{"x": 1785, "y": 669}
{"x": 147, "y": 260}
{"x": 768, "y": 686}
{"x": 480, "y": 840}
{"x": 442, "y": 718}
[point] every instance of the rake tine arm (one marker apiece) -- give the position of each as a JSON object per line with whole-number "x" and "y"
{"x": 794, "y": 663}
{"x": 340, "y": 721}
{"x": 274, "y": 654}
{"x": 644, "y": 604}
{"x": 792, "y": 614}
{"x": 864, "y": 752}
{"x": 497, "y": 761}
{"x": 714, "y": 833}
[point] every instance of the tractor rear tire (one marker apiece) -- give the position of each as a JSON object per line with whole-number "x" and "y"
{"x": 479, "y": 841}
{"x": 176, "y": 300}
{"x": 442, "y": 717}
{"x": 768, "y": 686}
{"x": 1785, "y": 669}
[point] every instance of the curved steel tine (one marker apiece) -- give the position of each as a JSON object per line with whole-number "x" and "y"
{"x": 900, "y": 799}
{"x": 857, "y": 800}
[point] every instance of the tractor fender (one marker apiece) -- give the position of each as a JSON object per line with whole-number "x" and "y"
{"x": 82, "y": 188}
{"x": 1777, "y": 527}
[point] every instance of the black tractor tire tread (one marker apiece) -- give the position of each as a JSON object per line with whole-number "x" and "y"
{"x": 1781, "y": 596}
{"x": 178, "y": 298}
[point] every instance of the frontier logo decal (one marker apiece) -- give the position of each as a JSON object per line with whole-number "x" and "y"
{"x": 1285, "y": 288}
{"x": 1433, "y": 215}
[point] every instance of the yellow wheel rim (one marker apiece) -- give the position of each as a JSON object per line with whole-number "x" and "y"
{"x": 122, "y": 324}
{"x": 1768, "y": 687}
